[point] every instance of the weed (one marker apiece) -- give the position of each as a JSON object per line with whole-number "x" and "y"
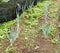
{"x": 10, "y": 49}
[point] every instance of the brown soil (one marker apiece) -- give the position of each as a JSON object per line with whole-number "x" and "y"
{"x": 42, "y": 45}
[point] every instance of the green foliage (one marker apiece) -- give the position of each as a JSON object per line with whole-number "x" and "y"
{"x": 53, "y": 11}
{"x": 59, "y": 25}
{"x": 55, "y": 41}
{"x": 53, "y": 29}
{"x": 5, "y": 27}
{"x": 4, "y": 0}
{"x": 10, "y": 50}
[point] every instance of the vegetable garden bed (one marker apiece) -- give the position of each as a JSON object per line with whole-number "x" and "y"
{"x": 31, "y": 38}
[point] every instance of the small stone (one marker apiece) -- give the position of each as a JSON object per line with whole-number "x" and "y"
{"x": 36, "y": 47}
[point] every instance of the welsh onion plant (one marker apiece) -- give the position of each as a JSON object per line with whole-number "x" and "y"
{"x": 45, "y": 26}
{"x": 14, "y": 34}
